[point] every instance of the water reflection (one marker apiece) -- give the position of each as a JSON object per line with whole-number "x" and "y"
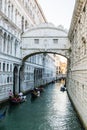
{"x": 51, "y": 111}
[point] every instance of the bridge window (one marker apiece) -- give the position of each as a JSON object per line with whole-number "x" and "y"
{"x": 55, "y": 40}
{"x": 36, "y": 41}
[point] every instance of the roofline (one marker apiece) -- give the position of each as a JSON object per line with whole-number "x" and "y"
{"x": 38, "y": 28}
{"x": 76, "y": 14}
{"x": 41, "y": 10}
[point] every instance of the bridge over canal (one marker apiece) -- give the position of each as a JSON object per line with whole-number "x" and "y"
{"x": 45, "y": 38}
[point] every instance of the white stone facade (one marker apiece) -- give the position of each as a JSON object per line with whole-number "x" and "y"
{"x": 38, "y": 70}
{"x": 15, "y": 17}
{"x": 77, "y": 76}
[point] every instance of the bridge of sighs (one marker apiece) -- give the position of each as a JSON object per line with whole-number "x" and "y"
{"x": 45, "y": 38}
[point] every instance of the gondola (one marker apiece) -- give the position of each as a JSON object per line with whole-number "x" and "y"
{"x": 18, "y": 99}
{"x": 2, "y": 115}
{"x": 41, "y": 89}
{"x": 35, "y": 94}
{"x": 15, "y": 100}
{"x": 63, "y": 89}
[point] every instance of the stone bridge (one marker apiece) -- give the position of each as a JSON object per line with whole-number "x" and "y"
{"x": 45, "y": 38}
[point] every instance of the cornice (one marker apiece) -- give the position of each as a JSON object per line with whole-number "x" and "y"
{"x": 41, "y": 10}
{"x": 76, "y": 14}
{"x": 45, "y": 26}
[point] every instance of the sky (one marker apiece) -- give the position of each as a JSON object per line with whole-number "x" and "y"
{"x": 58, "y": 12}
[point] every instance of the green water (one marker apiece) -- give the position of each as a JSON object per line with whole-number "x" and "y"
{"x": 51, "y": 111}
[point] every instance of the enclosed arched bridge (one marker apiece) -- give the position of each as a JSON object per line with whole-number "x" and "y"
{"x": 45, "y": 38}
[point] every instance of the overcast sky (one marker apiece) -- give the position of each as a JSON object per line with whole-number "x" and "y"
{"x": 58, "y": 12}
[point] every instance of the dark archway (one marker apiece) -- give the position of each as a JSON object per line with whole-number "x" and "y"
{"x": 15, "y": 80}
{"x": 39, "y": 72}
{"x": 42, "y": 52}
{"x": 21, "y": 78}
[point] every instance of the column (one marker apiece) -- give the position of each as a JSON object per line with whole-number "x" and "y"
{"x": 0, "y": 4}
{"x": 1, "y": 42}
{"x": 6, "y": 42}
{"x": 7, "y": 8}
{"x": 13, "y": 14}
{"x": 3, "y": 4}
{"x": 11, "y": 45}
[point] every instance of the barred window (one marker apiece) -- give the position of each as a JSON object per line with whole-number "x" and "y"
{"x": 55, "y": 40}
{"x": 36, "y": 41}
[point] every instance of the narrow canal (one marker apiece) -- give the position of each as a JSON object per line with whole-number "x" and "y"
{"x": 51, "y": 111}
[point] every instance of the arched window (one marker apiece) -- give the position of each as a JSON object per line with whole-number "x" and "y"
{"x": 3, "y": 66}
{"x": 4, "y": 43}
{"x": 8, "y": 67}
{"x": 8, "y": 44}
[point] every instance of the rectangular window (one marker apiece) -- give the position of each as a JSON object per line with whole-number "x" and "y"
{"x": 7, "y": 67}
{"x": 36, "y": 41}
{"x": 8, "y": 79}
{"x": 10, "y": 67}
{"x": 55, "y": 40}
{"x": 0, "y": 66}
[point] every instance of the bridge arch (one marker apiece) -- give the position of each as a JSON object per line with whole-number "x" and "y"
{"x": 36, "y": 53}
{"x": 42, "y": 39}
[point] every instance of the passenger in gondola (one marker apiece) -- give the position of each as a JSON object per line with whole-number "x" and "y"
{"x": 10, "y": 94}
{"x": 20, "y": 95}
{"x": 22, "y": 98}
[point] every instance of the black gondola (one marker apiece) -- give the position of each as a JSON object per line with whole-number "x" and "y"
{"x": 35, "y": 93}
{"x": 63, "y": 89}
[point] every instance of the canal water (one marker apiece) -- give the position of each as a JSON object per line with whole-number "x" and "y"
{"x": 51, "y": 111}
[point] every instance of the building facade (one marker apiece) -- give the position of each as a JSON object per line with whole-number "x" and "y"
{"x": 15, "y": 17}
{"x": 38, "y": 70}
{"x": 77, "y": 71}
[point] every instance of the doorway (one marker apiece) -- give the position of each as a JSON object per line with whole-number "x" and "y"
{"x": 15, "y": 81}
